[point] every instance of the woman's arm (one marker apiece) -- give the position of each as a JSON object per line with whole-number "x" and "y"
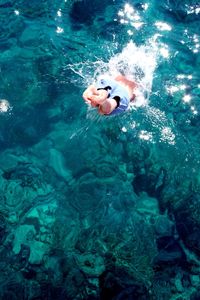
{"x": 107, "y": 106}
{"x": 88, "y": 93}
{"x": 99, "y": 98}
{"x": 93, "y": 96}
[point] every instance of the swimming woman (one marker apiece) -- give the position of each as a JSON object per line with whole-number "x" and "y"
{"x": 110, "y": 96}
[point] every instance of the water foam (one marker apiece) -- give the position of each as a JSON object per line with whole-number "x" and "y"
{"x": 4, "y": 106}
{"x": 135, "y": 62}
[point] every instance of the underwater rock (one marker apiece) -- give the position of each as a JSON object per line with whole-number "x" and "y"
{"x": 43, "y": 214}
{"x": 2, "y": 227}
{"x": 22, "y": 236}
{"x": 88, "y": 194}
{"x": 38, "y": 250}
{"x": 170, "y": 252}
{"x": 30, "y": 37}
{"x": 150, "y": 179}
{"x": 57, "y": 162}
{"x": 132, "y": 242}
{"x": 36, "y": 232}
{"x": 61, "y": 137}
{"x": 53, "y": 265}
{"x": 34, "y": 290}
{"x": 34, "y": 10}
{"x": 160, "y": 180}
{"x": 191, "y": 239}
{"x": 25, "y": 235}
{"x": 41, "y": 149}
{"x": 91, "y": 264}
{"x": 83, "y": 12}
{"x": 12, "y": 287}
{"x": 175, "y": 194}
{"x": 95, "y": 188}
{"x": 114, "y": 27}
{"x": 183, "y": 11}
{"x": 21, "y": 185}
{"x": 65, "y": 237}
{"x": 10, "y": 28}
{"x": 76, "y": 285}
{"x": 106, "y": 169}
{"x": 27, "y": 136}
{"x": 164, "y": 226}
{"x": 126, "y": 199}
{"x": 140, "y": 182}
{"x": 133, "y": 292}
{"x": 195, "y": 295}
{"x": 58, "y": 223}
{"x": 195, "y": 280}
{"x": 9, "y": 160}
{"x": 22, "y": 257}
{"x": 178, "y": 283}
{"x": 147, "y": 205}
{"x": 29, "y": 272}
{"x": 118, "y": 285}
{"x": 13, "y": 218}
{"x": 14, "y": 194}
{"x": 24, "y": 171}
{"x": 20, "y": 193}
{"x": 188, "y": 222}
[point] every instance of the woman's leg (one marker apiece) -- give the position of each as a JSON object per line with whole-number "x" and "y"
{"x": 128, "y": 84}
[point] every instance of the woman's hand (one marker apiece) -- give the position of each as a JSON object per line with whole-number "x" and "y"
{"x": 100, "y": 97}
{"x": 94, "y": 97}
{"x": 88, "y": 93}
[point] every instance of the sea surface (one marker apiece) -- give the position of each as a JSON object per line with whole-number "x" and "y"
{"x": 95, "y": 207}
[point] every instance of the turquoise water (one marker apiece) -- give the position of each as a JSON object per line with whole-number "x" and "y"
{"x": 94, "y": 207}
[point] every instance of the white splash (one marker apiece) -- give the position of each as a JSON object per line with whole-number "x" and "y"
{"x": 167, "y": 135}
{"x": 163, "y": 26}
{"x": 193, "y": 9}
{"x": 145, "y": 135}
{"x": 164, "y": 52}
{"x": 4, "y": 106}
{"x": 59, "y": 13}
{"x": 187, "y": 98}
{"x": 124, "y": 129}
{"x": 59, "y": 30}
{"x": 160, "y": 122}
{"x": 137, "y": 63}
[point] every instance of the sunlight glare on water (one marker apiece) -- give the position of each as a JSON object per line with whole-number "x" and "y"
{"x": 161, "y": 127}
{"x": 4, "y": 106}
{"x": 163, "y": 26}
{"x": 180, "y": 89}
{"x": 129, "y": 16}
